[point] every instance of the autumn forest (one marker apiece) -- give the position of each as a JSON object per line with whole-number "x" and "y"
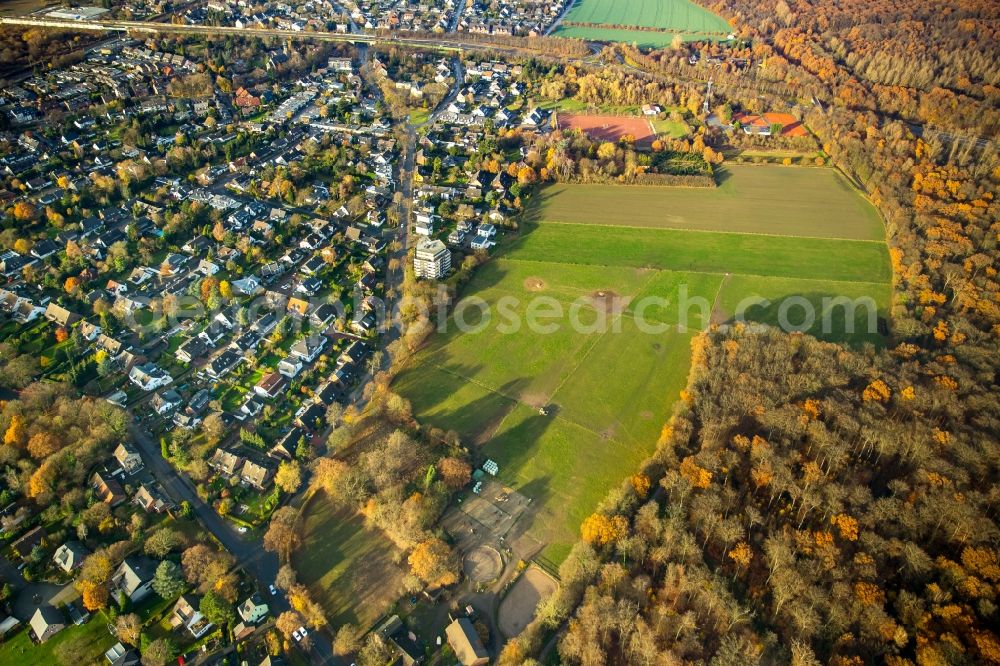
{"x": 807, "y": 503}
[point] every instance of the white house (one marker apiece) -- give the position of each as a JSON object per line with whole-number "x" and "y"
{"x": 308, "y": 348}
{"x": 252, "y": 610}
{"x": 290, "y": 366}
{"x": 423, "y": 224}
{"x": 149, "y": 376}
{"x": 70, "y": 555}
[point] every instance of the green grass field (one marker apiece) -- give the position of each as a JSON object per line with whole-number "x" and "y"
{"x": 93, "y": 638}
{"x": 673, "y": 128}
{"x": 739, "y": 289}
{"x": 667, "y": 17}
{"x": 707, "y": 252}
{"x": 347, "y": 566}
{"x": 488, "y": 387}
{"x": 816, "y": 203}
{"x": 601, "y": 254}
{"x": 648, "y": 39}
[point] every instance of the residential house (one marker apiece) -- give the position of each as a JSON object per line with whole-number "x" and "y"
{"x": 309, "y": 287}
{"x": 225, "y": 462}
{"x": 354, "y": 353}
{"x": 191, "y": 349}
{"x": 70, "y": 556}
{"x": 119, "y": 655}
{"x": 213, "y": 334}
{"x": 311, "y": 416}
{"x": 187, "y": 421}
{"x": 481, "y": 243}
{"x": 253, "y": 610}
{"x": 90, "y": 331}
{"x": 327, "y": 393}
{"x": 298, "y": 307}
{"x": 152, "y": 499}
{"x": 228, "y": 317}
{"x": 312, "y": 266}
{"x": 46, "y": 623}
{"x": 393, "y": 633}
{"x": 364, "y": 323}
{"x": 107, "y": 488}
{"x": 246, "y": 342}
{"x": 149, "y": 376}
{"x": 186, "y": 614}
{"x": 241, "y": 630}
{"x": 223, "y": 364}
{"x": 77, "y": 614}
{"x": 323, "y": 316}
{"x": 60, "y": 316}
{"x": 267, "y": 323}
{"x": 423, "y": 224}
{"x": 308, "y": 348}
{"x": 27, "y": 543}
{"x": 286, "y": 446}
{"x": 207, "y": 268}
{"x": 134, "y": 577}
{"x": 258, "y": 474}
{"x": 128, "y": 457}
{"x": 270, "y": 386}
{"x": 7, "y": 624}
{"x": 12, "y": 263}
{"x": 290, "y": 366}
{"x": 248, "y": 286}
{"x": 368, "y": 282}
{"x": 166, "y": 401}
{"x": 251, "y": 407}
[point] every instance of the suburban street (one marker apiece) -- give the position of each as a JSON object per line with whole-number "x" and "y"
{"x": 260, "y": 564}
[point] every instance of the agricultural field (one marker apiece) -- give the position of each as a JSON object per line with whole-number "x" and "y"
{"x": 660, "y": 21}
{"x": 811, "y": 203}
{"x": 348, "y": 567}
{"x": 642, "y": 270}
{"x": 647, "y": 39}
{"x": 24, "y": 7}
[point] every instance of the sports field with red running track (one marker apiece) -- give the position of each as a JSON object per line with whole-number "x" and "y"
{"x": 609, "y": 128}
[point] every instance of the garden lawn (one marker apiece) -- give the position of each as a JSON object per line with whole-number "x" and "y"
{"x": 95, "y": 639}
{"x": 347, "y": 566}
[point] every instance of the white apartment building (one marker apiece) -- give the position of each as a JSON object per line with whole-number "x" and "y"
{"x": 432, "y": 259}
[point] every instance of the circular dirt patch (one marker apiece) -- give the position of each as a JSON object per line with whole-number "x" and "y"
{"x": 607, "y": 301}
{"x": 518, "y": 608}
{"x": 535, "y": 284}
{"x": 482, "y": 564}
{"x": 535, "y": 400}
